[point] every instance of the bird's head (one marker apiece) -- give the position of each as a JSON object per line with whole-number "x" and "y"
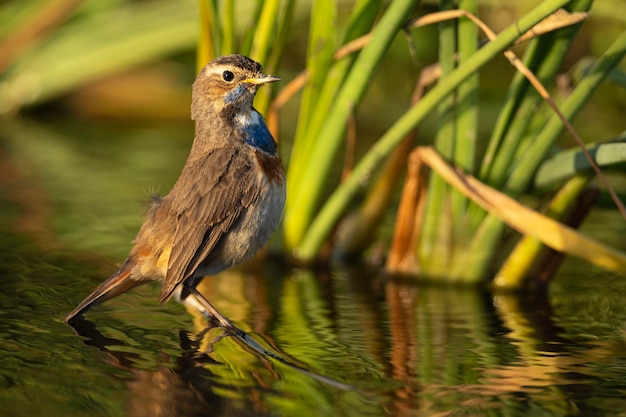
{"x": 226, "y": 86}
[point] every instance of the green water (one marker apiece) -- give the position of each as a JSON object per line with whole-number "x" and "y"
{"x": 401, "y": 349}
{"x": 353, "y": 342}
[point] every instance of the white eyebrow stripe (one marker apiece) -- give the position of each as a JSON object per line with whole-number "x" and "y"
{"x": 217, "y": 70}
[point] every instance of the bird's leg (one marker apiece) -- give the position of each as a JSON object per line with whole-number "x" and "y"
{"x": 224, "y": 322}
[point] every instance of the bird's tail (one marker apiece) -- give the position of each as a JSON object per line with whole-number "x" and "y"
{"x": 118, "y": 283}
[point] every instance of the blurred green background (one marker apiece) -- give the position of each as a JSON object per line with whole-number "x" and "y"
{"x": 94, "y": 116}
{"x": 94, "y": 103}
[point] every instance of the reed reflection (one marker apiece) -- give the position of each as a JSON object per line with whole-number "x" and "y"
{"x": 351, "y": 342}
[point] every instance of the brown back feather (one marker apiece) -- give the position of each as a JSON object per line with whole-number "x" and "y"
{"x": 220, "y": 193}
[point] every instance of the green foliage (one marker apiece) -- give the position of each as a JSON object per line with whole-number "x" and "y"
{"x": 519, "y": 176}
{"x": 348, "y": 45}
{"x": 567, "y": 163}
{"x": 516, "y": 149}
{"x": 94, "y": 42}
{"x": 336, "y": 205}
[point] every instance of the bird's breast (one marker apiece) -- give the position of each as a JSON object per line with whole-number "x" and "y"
{"x": 258, "y": 220}
{"x": 271, "y": 200}
{"x": 271, "y": 168}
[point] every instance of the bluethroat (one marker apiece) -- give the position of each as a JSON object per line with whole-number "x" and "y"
{"x": 227, "y": 202}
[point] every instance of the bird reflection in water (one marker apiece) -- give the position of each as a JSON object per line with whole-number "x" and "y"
{"x": 191, "y": 385}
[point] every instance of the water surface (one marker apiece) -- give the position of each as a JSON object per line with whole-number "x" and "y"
{"x": 350, "y": 341}
{"x": 387, "y": 347}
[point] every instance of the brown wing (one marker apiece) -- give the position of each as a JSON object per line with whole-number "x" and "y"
{"x": 209, "y": 197}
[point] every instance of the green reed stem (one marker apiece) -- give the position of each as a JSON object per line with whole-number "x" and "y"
{"x": 437, "y": 228}
{"x": 264, "y": 34}
{"x": 334, "y": 207}
{"x": 362, "y": 18}
{"x": 466, "y": 118}
{"x": 263, "y": 43}
{"x": 516, "y": 270}
{"x": 284, "y": 29}
{"x": 571, "y": 106}
{"x": 488, "y": 233}
{"x": 319, "y": 60}
{"x": 206, "y": 41}
{"x": 544, "y": 57}
{"x": 228, "y": 27}
{"x": 301, "y": 207}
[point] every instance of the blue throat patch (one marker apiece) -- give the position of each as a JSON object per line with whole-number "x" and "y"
{"x": 258, "y": 136}
{"x": 234, "y": 95}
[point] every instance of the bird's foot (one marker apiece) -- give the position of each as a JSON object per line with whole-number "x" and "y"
{"x": 198, "y": 302}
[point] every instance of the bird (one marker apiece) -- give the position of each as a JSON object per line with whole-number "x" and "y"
{"x": 226, "y": 204}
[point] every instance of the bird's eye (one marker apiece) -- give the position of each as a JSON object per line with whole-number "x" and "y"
{"x": 228, "y": 76}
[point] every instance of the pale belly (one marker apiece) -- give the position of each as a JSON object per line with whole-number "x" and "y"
{"x": 251, "y": 232}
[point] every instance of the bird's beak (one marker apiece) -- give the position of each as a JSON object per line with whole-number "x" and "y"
{"x": 264, "y": 79}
